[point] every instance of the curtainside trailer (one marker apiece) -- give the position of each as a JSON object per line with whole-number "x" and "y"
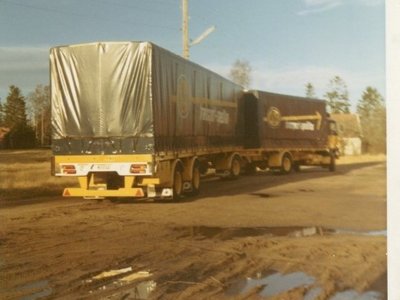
{"x": 131, "y": 119}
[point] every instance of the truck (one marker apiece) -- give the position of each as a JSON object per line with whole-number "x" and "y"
{"x": 131, "y": 119}
{"x": 283, "y": 132}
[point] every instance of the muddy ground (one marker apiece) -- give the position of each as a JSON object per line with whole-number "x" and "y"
{"x": 308, "y": 235}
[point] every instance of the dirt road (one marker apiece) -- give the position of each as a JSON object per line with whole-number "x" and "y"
{"x": 308, "y": 235}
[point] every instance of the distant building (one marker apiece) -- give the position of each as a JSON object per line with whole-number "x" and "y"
{"x": 3, "y": 132}
{"x": 350, "y": 133}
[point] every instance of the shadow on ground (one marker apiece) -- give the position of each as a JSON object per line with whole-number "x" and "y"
{"x": 250, "y": 184}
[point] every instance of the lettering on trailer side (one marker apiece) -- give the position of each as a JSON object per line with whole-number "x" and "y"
{"x": 300, "y": 126}
{"x": 214, "y": 115}
{"x": 184, "y": 101}
{"x": 274, "y": 118}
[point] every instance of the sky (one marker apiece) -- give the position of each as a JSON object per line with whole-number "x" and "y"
{"x": 288, "y": 43}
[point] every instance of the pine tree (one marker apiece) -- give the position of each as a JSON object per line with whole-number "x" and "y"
{"x": 370, "y": 101}
{"x": 15, "y": 111}
{"x": 310, "y": 91}
{"x": 21, "y": 135}
{"x": 338, "y": 96}
{"x": 1, "y": 114}
{"x": 39, "y": 104}
{"x": 372, "y": 112}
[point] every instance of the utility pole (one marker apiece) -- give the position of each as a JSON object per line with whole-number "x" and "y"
{"x": 185, "y": 29}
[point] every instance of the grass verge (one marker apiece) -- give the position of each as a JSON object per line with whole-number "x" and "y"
{"x": 26, "y": 174}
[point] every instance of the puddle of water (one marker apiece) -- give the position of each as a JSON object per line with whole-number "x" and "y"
{"x": 38, "y": 295}
{"x": 144, "y": 289}
{"x": 271, "y": 285}
{"x": 203, "y": 232}
{"x": 313, "y": 293}
{"x": 378, "y": 233}
{"x": 140, "y": 291}
{"x": 34, "y": 285}
{"x": 354, "y": 295}
{"x": 367, "y": 233}
{"x": 40, "y": 289}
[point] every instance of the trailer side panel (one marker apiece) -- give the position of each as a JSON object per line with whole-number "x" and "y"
{"x": 275, "y": 121}
{"x": 194, "y": 108}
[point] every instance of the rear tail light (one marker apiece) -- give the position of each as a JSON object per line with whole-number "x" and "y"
{"x": 138, "y": 168}
{"x": 68, "y": 169}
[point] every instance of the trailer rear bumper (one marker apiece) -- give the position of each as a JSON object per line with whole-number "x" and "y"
{"x": 103, "y": 193}
{"x": 135, "y": 192}
{"x": 89, "y": 187}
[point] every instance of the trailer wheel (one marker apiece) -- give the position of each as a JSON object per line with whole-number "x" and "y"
{"x": 287, "y": 164}
{"x": 332, "y": 163}
{"x": 196, "y": 179}
{"x": 235, "y": 168}
{"x": 177, "y": 185}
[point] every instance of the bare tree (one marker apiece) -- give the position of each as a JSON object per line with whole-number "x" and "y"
{"x": 240, "y": 73}
{"x": 39, "y": 101}
{"x": 338, "y": 96}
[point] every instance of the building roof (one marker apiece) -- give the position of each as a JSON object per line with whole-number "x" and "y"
{"x": 348, "y": 125}
{"x": 3, "y": 132}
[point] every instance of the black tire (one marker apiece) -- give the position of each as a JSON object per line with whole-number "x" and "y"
{"x": 203, "y": 167}
{"x": 177, "y": 184}
{"x": 250, "y": 169}
{"x": 332, "y": 163}
{"x": 286, "y": 164}
{"x": 195, "y": 180}
{"x": 263, "y": 166}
